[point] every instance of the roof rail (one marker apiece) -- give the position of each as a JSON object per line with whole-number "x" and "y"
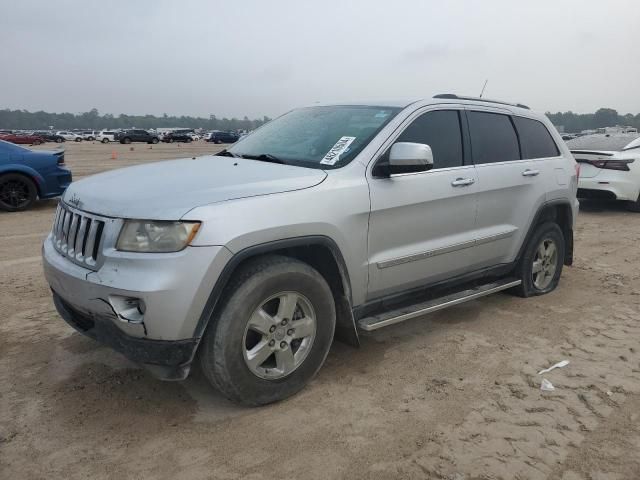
{"x": 453, "y": 96}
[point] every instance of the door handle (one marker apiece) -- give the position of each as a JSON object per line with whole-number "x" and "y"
{"x": 530, "y": 173}
{"x": 463, "y": 182}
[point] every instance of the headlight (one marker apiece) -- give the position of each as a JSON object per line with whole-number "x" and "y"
{"x": 156, "y": 236}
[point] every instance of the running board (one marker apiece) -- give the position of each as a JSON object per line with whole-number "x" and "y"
{"x": 392, "y": 317}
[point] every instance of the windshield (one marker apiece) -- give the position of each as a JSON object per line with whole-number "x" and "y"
{"x": 316, "y": 137}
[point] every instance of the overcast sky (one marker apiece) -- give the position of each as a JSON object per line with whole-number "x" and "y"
{"x": 254, "y": 58}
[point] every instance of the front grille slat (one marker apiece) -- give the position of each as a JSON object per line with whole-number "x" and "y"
{"x": 91, "y": 239}
{"x": 78, "y": 236}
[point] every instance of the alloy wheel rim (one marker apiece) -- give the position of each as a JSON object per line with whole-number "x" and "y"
{"x": 14, "y": 193}
{"x": 545, "y": 264}
{"x": 279, "y": 335}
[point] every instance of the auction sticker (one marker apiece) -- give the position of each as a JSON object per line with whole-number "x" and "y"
{"x": 338, "y": 149}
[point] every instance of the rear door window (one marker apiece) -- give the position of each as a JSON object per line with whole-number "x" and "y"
{"x": 535, "y": 139}
{"x": 493, "y": 138}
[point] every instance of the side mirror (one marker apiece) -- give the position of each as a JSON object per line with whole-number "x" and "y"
{"x": 407, "y": 157}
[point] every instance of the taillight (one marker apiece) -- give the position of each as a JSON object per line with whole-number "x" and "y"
{"x": 622, "y": 165}
{"x": 60, "y": 159}
{"x": 577, "y": 170}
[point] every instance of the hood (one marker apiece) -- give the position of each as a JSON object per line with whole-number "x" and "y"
{"x": 168, "y": 190}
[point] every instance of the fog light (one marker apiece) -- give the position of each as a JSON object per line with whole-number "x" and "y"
{"x": 128, "y": 309}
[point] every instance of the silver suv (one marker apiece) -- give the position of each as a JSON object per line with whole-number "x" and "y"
{"x": 326, "y": 222}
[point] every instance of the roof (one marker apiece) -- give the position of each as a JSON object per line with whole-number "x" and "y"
{"x": 602, "y": 141}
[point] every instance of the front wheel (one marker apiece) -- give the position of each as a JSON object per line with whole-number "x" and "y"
{"x": 154, "y": 141}
{"x": 634, "y": 206}
{"x": 17, "y": 192}
{"x": 541, "y": 264}
{"x": 59, "y": 140}
{"x": 37, "y": 142}
{"x": 78, "y": 139}
{"x": 126, "y": 141}
{"x": 105, "y": 140}
{"x": 272, "y": 332}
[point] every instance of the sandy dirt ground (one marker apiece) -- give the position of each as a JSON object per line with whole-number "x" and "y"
{"x": 454, "y": 395}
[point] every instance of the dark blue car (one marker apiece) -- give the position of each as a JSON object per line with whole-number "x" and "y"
{"x": 27, "y": 174}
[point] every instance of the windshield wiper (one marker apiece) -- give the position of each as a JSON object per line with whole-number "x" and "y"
{"x": 226, "y": 153}
{"x": 264, "y": 157}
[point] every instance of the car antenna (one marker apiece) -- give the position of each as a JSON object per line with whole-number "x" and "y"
{"x": 483, "y": 87}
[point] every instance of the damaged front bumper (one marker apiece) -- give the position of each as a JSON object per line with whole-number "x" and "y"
{"x": 145, "y": 306}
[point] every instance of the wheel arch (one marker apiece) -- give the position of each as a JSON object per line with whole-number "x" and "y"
{"x": 560, "y": 212}
{"x": 321, "y": 252}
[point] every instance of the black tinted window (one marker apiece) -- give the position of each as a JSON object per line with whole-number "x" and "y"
{"x": 441, "y": 131}
{"x": 535, "y": 139}
{"x": 493, "y": 138}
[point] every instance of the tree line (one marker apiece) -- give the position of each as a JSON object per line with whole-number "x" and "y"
{"x": 24, "y": 120}
{"x": 604, "y": 117}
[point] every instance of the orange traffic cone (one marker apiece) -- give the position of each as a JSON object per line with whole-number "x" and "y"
{"x": 114, "y": 155}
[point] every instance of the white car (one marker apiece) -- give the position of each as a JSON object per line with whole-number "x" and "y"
{"x": 69, "y": 136}
{"x": 609, "y": 167}
{"x": 106, "y": 136}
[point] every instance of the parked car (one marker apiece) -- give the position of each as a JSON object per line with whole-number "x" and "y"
{"x": 177, "y": 137}
{"x": 69, "y": 136}
{"x": 223, "y": 137}
{"x": 330, "y": 219}
{"x": 106, "y": 136}
{"x": 26, "y": 175}
{"x": 130, "y": 136}
{"x": 89, "y": 135}
{"x": 609, "y": 167}
{"x": 194, "y": 136}
{"x": 49, "y": 136}
{"x": 22, "y": 138}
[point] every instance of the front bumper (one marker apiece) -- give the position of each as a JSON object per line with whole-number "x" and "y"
{"x": 167, "y": 360}
{"x": 170, "y": 290}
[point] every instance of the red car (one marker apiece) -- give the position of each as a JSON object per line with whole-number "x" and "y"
{"x": 22, "y": 138}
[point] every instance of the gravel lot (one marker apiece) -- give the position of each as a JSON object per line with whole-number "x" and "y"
{"x": 454, "y": 395}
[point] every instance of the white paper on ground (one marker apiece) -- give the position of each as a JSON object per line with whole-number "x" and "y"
{"x": 547, "y": 386}
{"x": 561, "y": 364}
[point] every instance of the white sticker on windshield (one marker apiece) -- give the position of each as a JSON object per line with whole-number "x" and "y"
{"x": 338, "y": 149}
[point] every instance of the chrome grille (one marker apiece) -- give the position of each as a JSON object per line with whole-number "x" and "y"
{"x": 78, "y": 235}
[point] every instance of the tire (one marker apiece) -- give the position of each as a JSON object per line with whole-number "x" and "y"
{"x": 105, "y": 140}
{"x": 17, "y": 192}
{"x": 126, "y": 141}
{"x": 59, "y": 140}
{"x": 229, "y": 340}
{"x": 634, "y": 206}
{"x": 546, "y": 280}
{"x": 154, "y": 141}
{"x": 188, "y": 140}
{"x": 171, "y": 140}
{"x": 78, "y": 139}
{"x": 37, "y": 142}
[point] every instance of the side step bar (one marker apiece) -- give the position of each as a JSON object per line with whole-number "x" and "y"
{"x": 392, "y": 317}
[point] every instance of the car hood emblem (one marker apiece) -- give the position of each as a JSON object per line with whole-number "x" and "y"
{"x": 75, "y": 201}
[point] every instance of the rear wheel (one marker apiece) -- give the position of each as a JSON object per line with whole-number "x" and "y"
{"x": 541, "y": 265}
{"x": 154, "y": 141}
{"x": 37, "y": 142}
{"x": 78, "y": 139}
{"x": 126, "y": 140}
{"x": 59, "y": 140}
{"x": 271, "y": 334}
{"x": 17, "y": 192}
{"x": 105, "y": 140}
{"x": 188, "y": 140}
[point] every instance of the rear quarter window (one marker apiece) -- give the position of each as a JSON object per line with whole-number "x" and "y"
{"x": 535, "y": 139}
{"x": 493, "y": 138}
